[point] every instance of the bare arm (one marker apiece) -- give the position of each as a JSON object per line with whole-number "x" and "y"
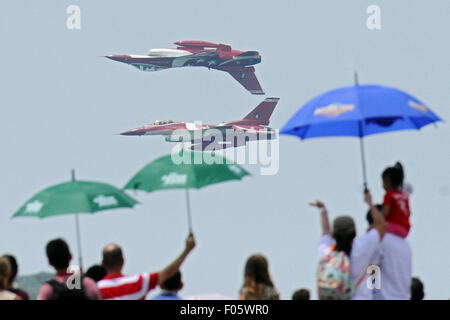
{"x": 172, "y": 268}
{"x": 323, "y": 216}
{"x": 379, "y": 222}
{"x": 385, "y": 210}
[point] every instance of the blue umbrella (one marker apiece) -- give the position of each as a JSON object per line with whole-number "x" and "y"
{"x": 359, "y": 111}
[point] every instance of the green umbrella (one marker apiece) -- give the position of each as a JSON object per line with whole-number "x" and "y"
{"x": 163, "y": 173}
{"x": 75, "y": 197}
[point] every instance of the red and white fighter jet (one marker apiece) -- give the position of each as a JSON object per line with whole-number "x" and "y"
{"x": 200, "y": 54}
{"x": 254, "y": 126}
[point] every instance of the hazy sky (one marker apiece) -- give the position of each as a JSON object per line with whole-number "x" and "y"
{"x": 62, "y": 106}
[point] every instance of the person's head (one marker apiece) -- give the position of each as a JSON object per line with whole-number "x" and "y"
{"x": 344, "y": 231}
{"x": 96, "y": 272}
{"x": 14, "y": 268}
{"x": 369, "y": 217}
{"x": 257, "y": 270}
{"x": 58, "y": 254}
{"x": 301, "y": 294}
{"x": 174, "y": 283}
{"x": 112, "y": 258}
{"x": 417, "y": 290}
{"x": 5, "y": 273}
{"x": 393, "y": 177}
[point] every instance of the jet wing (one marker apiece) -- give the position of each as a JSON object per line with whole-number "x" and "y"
{"x": 246, "y": 77}
{"x": 212, "y": 146}
{"x": 246, "y": 128}
{"x": 237, "y": 127}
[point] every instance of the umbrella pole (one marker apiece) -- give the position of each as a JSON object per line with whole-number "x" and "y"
{"x": 188, "y": 207}
{"x": 363, "y": 161}
{"x": 77, "y": 225}
{"x": 355, "y": 78}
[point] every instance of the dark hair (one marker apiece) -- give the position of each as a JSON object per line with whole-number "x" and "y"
{"x": 257, "y": 270}
{"x": 173, "y": 283}
{"x": 369, "y": 217}
{"x": 301, "y": 294}
{"x": 395, "y": 175}
{"x": 344, "y": 241}
{"x": 58, "y": 253}
{"x": 256, "y": 275}
{"x": 96, "y": 272}
{"x": 5, "y": 271}
{"x": 112, "y": 256}
{"x": 417, "y": 292}
{"x": 14, "y": 268}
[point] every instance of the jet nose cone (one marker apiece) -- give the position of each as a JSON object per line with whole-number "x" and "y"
{"x": 118, "y": 57}
{"x": 132, "y": 132}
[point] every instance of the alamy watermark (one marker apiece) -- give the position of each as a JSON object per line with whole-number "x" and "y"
{"x": 74, "y": 280}
{"x": 73, "y": 21}
{"x": 235, "y": 147}
{"x": 373, "y": 21}
{"x": 374, "y": 277}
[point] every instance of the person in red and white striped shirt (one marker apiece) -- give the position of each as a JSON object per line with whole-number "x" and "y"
{"x": 116, "y": 286}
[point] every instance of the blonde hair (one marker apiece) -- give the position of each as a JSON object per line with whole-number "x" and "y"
{"x": 5, "y": 272}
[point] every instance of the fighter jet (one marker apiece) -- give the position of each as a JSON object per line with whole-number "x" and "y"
{"x": 209, "y": 137}
{"x": 200, "y": 54}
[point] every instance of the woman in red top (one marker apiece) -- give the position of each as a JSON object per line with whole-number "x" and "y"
{"x": 396, "y": 201}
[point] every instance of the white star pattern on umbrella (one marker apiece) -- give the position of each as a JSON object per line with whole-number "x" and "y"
{"x": 34, "y": 207}
{"x": 105, "y": 201}
{"x": 174, "y": 178}
{"x": 235, "y": 169}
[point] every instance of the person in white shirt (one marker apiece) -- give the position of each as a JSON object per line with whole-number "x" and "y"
{"x": 342, "y": 237}
{"x": 396, "y": 268}
{"x": 394, "y": 259}
{"x": 366, "y": 292}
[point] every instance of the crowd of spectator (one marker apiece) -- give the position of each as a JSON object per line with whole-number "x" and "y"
{"x": 373, "y": 266}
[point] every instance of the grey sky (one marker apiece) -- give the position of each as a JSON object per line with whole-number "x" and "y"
{"x": 62, "y": 106}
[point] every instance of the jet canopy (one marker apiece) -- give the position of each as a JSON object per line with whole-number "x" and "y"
{"x": 168, "y": 53}
{"x": 161, "y": 122}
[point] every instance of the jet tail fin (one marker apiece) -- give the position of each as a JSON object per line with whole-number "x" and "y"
{"x": 246, "y": 77}
{"x": 261, "y": 114}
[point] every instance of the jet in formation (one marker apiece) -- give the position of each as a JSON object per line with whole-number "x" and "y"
{"x": 192, "y": 53}
{"x": 210, "y": 137}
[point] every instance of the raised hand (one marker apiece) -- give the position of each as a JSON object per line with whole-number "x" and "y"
{"x": 318, "y": 204}
{"x": 190, "y": 242}
{"x": 368, "y": 197}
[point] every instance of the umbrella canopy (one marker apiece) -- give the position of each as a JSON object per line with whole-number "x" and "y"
{"x": 75, "y": 197}
{"x": 359, "y": 111}
{"x": 163, "y": 173}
